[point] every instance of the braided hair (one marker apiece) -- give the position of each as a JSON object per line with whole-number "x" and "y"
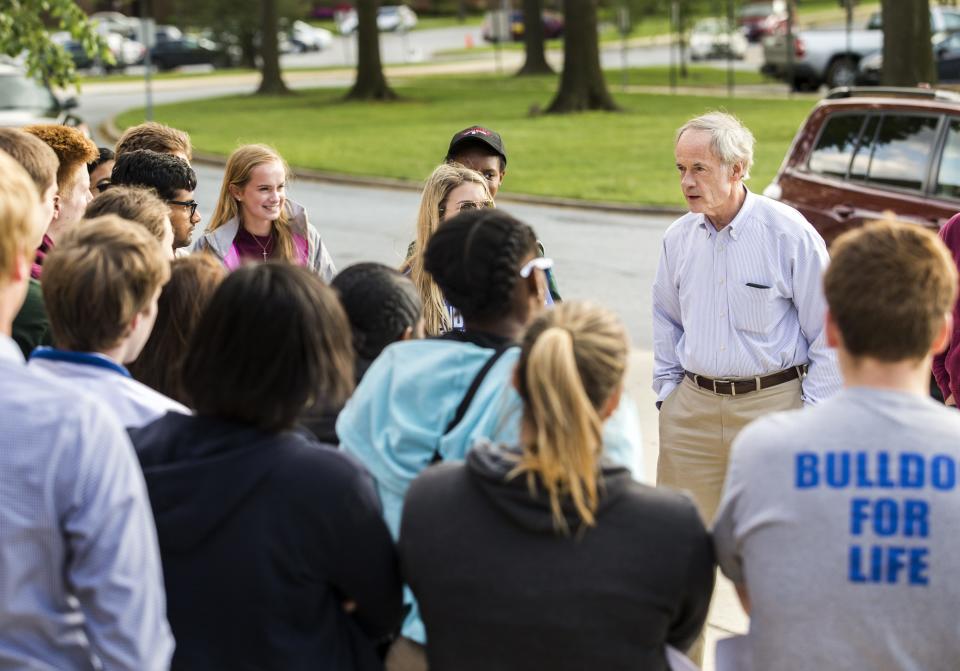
{"x": 475, "y": 260}
{"x": 380, "y": 303}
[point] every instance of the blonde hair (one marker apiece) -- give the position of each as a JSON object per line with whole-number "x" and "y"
{"x": 237, "y": 173}
{"x": 97, "y": 278}
{"x": 35, "y": 155}
{"x": 438, "y": 186}
{"x": 134, "y": 203}
{"x": 155, "y": 137}
{"x": 572, "y": 361}
{"x": 19, "y": 217}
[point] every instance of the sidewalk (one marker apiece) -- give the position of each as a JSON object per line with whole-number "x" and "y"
{"x": 726, "y": 615}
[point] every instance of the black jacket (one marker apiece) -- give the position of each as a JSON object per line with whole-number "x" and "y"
{"x": 499, "y": 588}
{"x": 263, "y": 537}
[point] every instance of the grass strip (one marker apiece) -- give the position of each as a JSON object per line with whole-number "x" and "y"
{"x": 620, "y": 157}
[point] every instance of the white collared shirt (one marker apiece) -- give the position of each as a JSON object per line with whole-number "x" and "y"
{"x": 134, "y": 403}
{"x": 744, "y": 301}
{"x": 81, "y": 585}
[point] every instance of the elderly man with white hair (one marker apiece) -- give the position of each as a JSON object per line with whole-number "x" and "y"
{"x": 738, "y": 310}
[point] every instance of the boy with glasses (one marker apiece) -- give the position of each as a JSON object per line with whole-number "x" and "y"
{"x": 172, "y": 178}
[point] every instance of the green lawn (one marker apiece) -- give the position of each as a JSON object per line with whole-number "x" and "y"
{"x": 625, "y": 157}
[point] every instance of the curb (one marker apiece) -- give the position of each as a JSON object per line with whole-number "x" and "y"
{"x": 112, "y": 133}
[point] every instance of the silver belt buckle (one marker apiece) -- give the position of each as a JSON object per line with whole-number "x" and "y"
{"x": 730, "y": 382}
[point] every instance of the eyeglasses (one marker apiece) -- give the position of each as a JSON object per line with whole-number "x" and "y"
{"x": 541, "y": 262}
{"x": 192, "y": 204}
{"x": 467, "y": 205}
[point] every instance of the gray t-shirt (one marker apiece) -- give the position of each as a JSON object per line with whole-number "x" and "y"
{"x": 843, "y": 519}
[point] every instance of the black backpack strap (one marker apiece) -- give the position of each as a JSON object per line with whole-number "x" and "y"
{"x": 468, "y": 397}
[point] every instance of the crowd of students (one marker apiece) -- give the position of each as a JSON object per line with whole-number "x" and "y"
{"x": 222, "y": 453}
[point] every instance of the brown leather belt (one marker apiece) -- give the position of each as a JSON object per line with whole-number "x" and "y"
{"x": 745, "y": 386}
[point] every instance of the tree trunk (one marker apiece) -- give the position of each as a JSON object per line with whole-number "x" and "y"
{"x": 907, "y": 54}
{"x": 682, "y": 38}
{"x": 271, "y": 81}
{"x": 582, "y": 86}
{"x": 248, "y": 49}
{"x": 370, "y": 83}
{"x": 533, "y": 40}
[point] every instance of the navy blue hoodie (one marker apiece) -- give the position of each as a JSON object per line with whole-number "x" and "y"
{"x": 263, "y": 538}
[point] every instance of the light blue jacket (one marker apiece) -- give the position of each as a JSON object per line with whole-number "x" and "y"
{"x": 395, "y": 420}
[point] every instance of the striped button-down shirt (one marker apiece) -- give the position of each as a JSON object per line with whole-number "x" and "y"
{"x": 744, "y": 301}
{"x": 81, "y": 585}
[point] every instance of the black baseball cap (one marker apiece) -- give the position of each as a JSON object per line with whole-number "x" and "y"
{"x": 477, "y": 135}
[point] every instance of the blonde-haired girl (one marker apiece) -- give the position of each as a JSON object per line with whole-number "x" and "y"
{"x": 254, "y": 221}
{"x": 545, "y": 540}
{"x": 449, "y": 190}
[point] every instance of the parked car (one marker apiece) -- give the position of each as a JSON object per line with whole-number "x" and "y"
{"x": 716, "y": 38}
{"x": 115, "y": 22}
{"x": 25, "y": 101}
{"x": 396, "y": 17}
{"x": 304, "y": 37}
{"x": 174, "y": 49}
{"x": 862, "y": 152}
{"x": 389, "y": 18}
{"x": 822, "y": 56}
{"x": 760, "y": 19}
{"x": 125, "y": 51}
{"x": 946, "y": 53}
{"x": 553, "y": 25}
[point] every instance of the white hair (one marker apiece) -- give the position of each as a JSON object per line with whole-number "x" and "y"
{"x": 731, "y": 141}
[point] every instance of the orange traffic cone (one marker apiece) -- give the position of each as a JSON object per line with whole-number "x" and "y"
{"x": 468, "y": 41}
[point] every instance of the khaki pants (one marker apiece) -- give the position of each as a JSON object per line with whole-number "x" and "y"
{"x": 697, "y": 428}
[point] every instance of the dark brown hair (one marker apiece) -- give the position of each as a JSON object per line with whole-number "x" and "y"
{"x": 888, "y": 286}
{"x": 272, "y": 342}
{"x": 193, "y": 279}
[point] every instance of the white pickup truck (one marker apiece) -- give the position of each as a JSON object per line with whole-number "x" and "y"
{"x": 829, "y": 57}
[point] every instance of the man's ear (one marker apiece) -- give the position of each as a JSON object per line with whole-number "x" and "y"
{"x": 834, "y": 339}
{"x": 56, "y": 207}
{"x": 407, "y": 334}
{"x": 943, "y": 335}
{"x": 736, "y": 172}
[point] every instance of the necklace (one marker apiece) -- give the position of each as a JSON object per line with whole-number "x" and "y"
{"x": 263, "y": 248}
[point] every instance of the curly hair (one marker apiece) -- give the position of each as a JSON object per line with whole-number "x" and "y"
{"x": 381, "y": 305}
{"x": 71, "y": 146}
{"x": 165, "y": 173}
{"x": 475, "y": 259}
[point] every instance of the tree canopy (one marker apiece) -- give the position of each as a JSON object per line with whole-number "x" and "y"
{"x": 25, "y": 31}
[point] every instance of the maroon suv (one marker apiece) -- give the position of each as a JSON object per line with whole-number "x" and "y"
{"x": 865, "y": 151}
